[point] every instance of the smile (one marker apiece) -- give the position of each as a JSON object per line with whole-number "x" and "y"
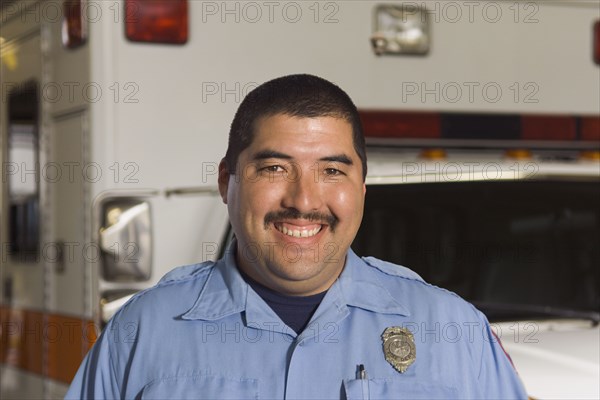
{"x": 298, "y": 231}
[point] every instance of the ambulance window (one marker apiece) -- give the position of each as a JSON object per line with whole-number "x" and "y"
{"x": 22, "y": 171}
{"x": 516, "y": 249}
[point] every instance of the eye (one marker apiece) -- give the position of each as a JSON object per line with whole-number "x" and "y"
{"x": 272, "y": 168}
{"x": 332, "y": 172}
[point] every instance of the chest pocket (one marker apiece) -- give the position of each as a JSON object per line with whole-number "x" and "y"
{"x": 200, "y": 387}
{"x": 379, "y": 389}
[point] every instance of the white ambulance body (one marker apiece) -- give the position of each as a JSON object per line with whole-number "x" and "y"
{"x": 110, "y": 146}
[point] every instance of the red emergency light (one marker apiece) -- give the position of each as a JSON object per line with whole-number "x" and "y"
{"x": 157, "y": 21}
{"x": 590, "y": 128}
{"x": 387, "y": 124}
{"x": 548, "y": 127}
{"x": 480, "y": 126}
{"x": 74, "y": 25}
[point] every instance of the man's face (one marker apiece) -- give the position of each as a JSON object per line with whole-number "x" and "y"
{"x": 295, "y": 202}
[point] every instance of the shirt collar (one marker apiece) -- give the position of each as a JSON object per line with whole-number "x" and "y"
{"x": 225, "y": 291}
{"x": 360, "y": 285}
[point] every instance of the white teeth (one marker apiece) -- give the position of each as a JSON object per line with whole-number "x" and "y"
{"x": 298, "y": 233}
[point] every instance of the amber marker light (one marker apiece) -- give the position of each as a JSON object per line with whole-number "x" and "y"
{"x": 518, "y": 154}
{"x": 433, "y": 154}
{"x": 590, "y": 155}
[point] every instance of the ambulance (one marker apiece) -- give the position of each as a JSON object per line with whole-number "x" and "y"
{"x": 483, "y": 130}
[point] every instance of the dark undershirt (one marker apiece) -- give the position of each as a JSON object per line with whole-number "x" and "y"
{"x": 294, "y": 311}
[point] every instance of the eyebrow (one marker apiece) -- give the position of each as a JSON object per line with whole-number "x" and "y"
{"x": 341, "y": 158}
{"x": 267, "y": 154}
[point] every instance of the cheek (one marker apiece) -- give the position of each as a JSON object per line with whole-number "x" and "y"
{"x": 256, "y": 199}
{"x": 347, "y": 203}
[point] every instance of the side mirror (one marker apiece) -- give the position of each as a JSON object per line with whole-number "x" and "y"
{"x": 125, "y": 240}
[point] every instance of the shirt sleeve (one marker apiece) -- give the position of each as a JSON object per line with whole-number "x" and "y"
{"x": 498, "y": 379}
{"x": 96, "y": 377}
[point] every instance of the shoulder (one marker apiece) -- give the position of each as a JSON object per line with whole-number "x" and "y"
{"x": 186, "y": 273}
{"x": 174, "y": 293}
{"x": 410, "y": 289}
{"x": 392, "y": 269}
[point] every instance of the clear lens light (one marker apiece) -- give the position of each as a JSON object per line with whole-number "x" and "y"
{"x": 401, "y": 29}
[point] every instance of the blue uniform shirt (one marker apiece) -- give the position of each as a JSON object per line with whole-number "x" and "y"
{"x": 203, "y": 333}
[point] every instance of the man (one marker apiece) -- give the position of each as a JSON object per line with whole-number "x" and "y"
{"x": 290, "y": 311}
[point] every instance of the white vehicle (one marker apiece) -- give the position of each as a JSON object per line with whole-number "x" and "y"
{"x": 114, "y": 116}
{"x": 515, "y": 236}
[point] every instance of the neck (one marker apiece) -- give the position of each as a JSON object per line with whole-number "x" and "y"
{"x": 295, "y": 283}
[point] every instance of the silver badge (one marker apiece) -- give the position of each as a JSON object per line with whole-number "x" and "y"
{"x": 399, "y": 347}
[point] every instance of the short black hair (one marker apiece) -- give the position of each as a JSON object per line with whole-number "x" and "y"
{"x": 305, "y": 96}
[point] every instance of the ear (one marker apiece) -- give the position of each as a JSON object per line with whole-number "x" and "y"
{"x": 223, "y": 180}
{"x": 364, "y": 189}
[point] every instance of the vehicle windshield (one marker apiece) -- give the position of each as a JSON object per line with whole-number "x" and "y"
{"x": 516, "y": 249}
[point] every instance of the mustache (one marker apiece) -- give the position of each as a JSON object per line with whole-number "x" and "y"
{"x": 324, "y": 219}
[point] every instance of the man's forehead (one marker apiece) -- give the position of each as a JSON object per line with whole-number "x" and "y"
{"x": 276, "y": 126}
{"x": 291, "y": 134}
{"x": 297, "y": 117}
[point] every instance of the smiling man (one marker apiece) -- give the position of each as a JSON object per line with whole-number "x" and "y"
{"x": 300, "y": 194}
{"x": 290, "y": 311}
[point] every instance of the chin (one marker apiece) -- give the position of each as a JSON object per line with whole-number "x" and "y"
{"x": 296, "y": 271}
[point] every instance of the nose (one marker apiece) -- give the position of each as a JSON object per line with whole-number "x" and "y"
{"x": 303, "y": 193}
